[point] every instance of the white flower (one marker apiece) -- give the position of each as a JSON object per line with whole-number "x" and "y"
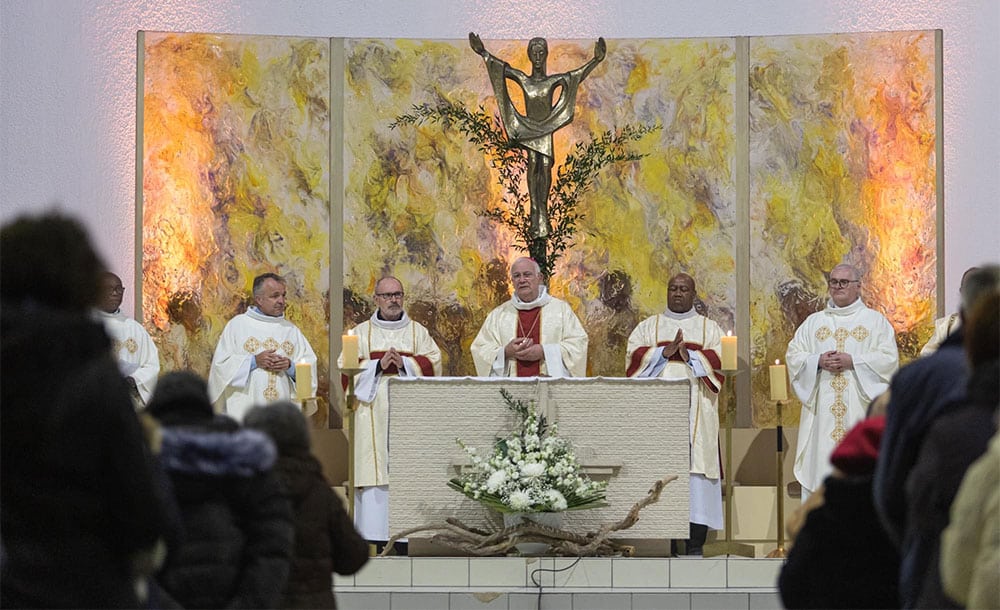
{"x": 532, "y": 470}
{"x": 496, "y": 479}
{"x": 520, "y": 500}
{"x": 555, "y": 499}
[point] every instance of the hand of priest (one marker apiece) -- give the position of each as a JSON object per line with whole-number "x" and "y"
{"x": 528, "y": 351}
{"x": 674, "y": 346}
{"x": 391, "y": 358}
{"x": 271, "y": 360}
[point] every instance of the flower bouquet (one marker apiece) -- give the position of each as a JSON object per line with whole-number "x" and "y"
{"x": 531, "y": 470}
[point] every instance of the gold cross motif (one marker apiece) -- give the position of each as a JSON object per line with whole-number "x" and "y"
{"x": 841, "y": 336}
{"x": 271, "y": 392}
{"x": 128, "y": 345}
{"x": 839, "y": 381}
{"x": 253, "y": 345}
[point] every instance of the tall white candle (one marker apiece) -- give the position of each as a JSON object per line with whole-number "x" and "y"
{"x": 303, "y": 380}
{"x": 350, "y": 351}
{"x": 729, "y": 343}
{"x": 779, "y": 381}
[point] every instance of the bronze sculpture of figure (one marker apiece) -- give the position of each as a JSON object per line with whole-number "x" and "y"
{"x": 533, "y": 130}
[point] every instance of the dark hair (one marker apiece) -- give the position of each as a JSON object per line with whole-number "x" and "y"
{"x": 978, "y": 284}
{"x": 180, "y": 396}
{"x": 260, "y": 279}
{"x": 49, "y": 259}
{"x": 284, "y": 422}
{"x": 982, "y": 335}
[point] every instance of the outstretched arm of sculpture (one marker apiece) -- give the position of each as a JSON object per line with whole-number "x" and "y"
{"x": 477, "y": 45}
{"x": 600, "y": 51}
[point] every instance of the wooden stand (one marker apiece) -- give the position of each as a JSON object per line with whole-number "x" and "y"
{"x": 350, "y": 406}
{"x": 729, "y": 546}
{"x": 780, "y": 482}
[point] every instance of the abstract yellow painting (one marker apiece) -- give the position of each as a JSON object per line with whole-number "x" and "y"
{"x": 235, "y": 182}
{"x": 842, "y": 169}
{"x": 835, "y": 149}
{"x": 414, "y": 194}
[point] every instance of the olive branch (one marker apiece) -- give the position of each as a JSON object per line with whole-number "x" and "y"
{"x": 573, "y": 177}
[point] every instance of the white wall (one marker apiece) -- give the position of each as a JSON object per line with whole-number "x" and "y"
{"x": 67, "y": 83}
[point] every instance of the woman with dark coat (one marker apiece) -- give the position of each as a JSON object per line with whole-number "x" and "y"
{"x": 325, "y": 538}
{"x": 78, "y": 499}
{"x": 237, "y": 536}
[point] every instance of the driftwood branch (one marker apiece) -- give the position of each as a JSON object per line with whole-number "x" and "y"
{"x": 482, "y": 543}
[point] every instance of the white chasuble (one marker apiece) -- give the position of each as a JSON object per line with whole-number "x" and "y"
{"x": 235, "y": 384}
{"x": 421, "y": 358}
{"x": 703, "y": 340}
{"x": 833, "y": 402}
{"x": 561, "y": 335}
{"x": 134, "y": 351}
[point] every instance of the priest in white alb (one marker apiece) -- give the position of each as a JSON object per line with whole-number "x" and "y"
{"x": 389, "y": 344}
{"x": 946, "y": 325}
{"x": 134, "y": 350}
{"x": 682, "y": 344}
{"x": 532, "y": 334}
{"x": 840, "y": 359}
{"x": 254, "y": 362}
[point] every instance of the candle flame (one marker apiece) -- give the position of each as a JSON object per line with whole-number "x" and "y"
{"x": 776, "y": 361}
{"x": 729, "y": 333}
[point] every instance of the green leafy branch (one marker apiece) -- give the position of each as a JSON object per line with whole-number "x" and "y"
{"x": 573, "y": 177}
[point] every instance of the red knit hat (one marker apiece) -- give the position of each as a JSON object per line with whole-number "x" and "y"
{"x": 856, "y": 454}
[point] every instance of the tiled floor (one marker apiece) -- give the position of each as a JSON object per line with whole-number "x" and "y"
{"x": 512, "y": 583}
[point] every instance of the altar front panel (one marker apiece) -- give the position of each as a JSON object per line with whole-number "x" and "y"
{"x": 637, "y": 430}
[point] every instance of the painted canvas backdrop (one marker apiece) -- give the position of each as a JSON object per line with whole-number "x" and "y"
{"x": 236, "y": 174}
{"x": 842, "y": 169}
{"x": 235, "y": 182}
{"x": 413, "y": 194}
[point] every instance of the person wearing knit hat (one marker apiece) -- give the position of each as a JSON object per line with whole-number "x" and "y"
{"x": 856, "y": 454}
{"x": 325, "y": 538}
{"x": 237, "y": 524}
{"x": 841, "y": 539}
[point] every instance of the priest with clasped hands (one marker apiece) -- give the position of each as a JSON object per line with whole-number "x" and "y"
{"x": 532, "y": 334}
{"x": 254, "y": 362}
{"x": 682, "y": 344}
{"x": 389, "y": 344}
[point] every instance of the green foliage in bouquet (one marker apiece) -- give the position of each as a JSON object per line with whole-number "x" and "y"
{"x": 532, "y": 469}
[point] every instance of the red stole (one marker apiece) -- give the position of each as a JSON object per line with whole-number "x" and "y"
{"x": 713, "y": 359}
{"x": 529, "y": 324}
{"x": 426, "y": 368}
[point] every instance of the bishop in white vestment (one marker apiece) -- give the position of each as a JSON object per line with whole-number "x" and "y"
{"x": 254, "y": 362}
{"x": 133, "y": 348}
{"x": 840, "y": 360}
{"x": 532, "y": 334}
{"x": 389, "y": 344}
{"x": 682, "y": 344}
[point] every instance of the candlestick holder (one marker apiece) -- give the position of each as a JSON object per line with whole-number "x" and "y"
{"x": 309, "y": 405}
{"x": 728, "y": 546}
{"x": 350, "y": 407}
{"x": 780, "y": 552}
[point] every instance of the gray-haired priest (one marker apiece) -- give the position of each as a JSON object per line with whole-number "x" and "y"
{"x": 680, "y": 343}
{"x": 254, "y": 362}
{"x": 532, "y": 334}
{"x": 389, "y": 344}
{"x": 840, "y": 359}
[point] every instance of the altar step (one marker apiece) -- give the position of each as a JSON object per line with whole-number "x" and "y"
{"x": 506, "y": 583}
